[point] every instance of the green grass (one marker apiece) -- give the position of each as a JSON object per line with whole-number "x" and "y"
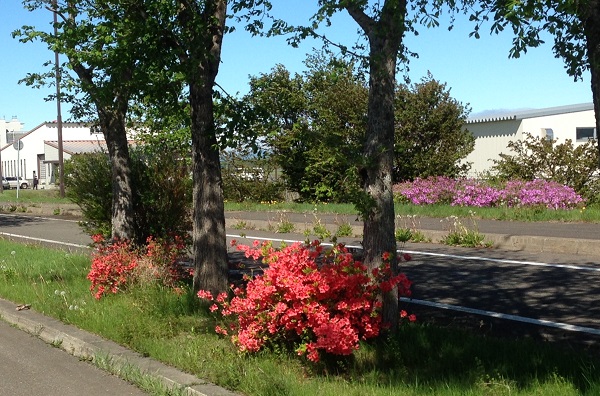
{"x": 420, "y": 359}
{"x": 291, "y": 207}
{"x": 588, "y": 214}
{"x": 30, "y": 196}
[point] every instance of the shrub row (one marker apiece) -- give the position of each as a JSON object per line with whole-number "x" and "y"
{"x": 469, "y": 192}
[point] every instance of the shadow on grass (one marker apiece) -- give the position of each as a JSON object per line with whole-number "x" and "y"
{"x": 436, "y": 358}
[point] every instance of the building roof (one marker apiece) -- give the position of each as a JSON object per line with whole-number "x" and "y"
{"x": 53, "y": 124}
{"x": 533, "y": 113}
{"x": 81, "y": 146}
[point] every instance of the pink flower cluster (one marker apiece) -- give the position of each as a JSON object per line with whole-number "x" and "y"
{"x": 112, "y": 265}
{"x": 118, "y": 264}
{"x": 315, "y": 308}
{"x": 468, "y": 192}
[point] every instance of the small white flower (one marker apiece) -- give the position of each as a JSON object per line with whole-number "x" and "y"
{"x": 13, "y": 252}
{"x": 57, "y": 292}
{"x": 62, "y": 293}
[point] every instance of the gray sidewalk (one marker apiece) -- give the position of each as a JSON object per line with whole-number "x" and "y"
{"x": 87, "y": 346}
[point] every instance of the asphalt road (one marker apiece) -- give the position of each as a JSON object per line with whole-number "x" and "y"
{"x": 29, "y": 366}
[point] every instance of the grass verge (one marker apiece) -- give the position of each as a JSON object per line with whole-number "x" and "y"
{"x": 421, "y": 359}
{"x": 30, "y": 196}
{"x": 587, "y": 214}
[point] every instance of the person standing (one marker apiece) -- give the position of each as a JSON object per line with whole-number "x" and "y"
{"x": 35, "y": 181}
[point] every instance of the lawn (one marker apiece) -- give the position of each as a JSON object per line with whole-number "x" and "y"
{"x": 420, "y": 359}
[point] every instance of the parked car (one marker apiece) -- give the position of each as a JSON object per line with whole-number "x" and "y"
{"x": 5, "y": 184}
{"x": 12, "y": 181}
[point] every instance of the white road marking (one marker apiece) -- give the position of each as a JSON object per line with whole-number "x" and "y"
{"x": 539, "y": 322}
{"x": 452, "y": 256}
{"x": 505, "y": 261}
{"x": 43, "y": 240}
{"x": 516, "y": 318}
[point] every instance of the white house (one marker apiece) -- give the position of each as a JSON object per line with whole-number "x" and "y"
{"x": 9, "y": 130}
{"x": 39, "y": 150}
{"x": 492, "y": 134}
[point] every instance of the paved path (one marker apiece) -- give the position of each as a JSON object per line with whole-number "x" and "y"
{"x": 29, "y": 366}
{"x": 41, "y": 359}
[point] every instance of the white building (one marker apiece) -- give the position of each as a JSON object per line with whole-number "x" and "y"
{"x": 492, "y": 134}
{"x": 39, "y": 150}
{"x": 9, "y": 130}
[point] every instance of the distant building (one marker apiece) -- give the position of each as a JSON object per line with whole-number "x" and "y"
{"x": 10, "y": 130}
{"x": 492, "y": 134}
{"x": 39, "y": 150}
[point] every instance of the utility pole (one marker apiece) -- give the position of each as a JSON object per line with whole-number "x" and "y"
{"x": 59, "y": 126}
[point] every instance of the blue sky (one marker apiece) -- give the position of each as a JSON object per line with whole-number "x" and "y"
{"x": 478, "y": 72}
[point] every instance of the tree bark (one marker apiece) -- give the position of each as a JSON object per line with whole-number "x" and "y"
{"x": 202, "y": 65}
{"x": 209, "y": 241}
{"x": 591, "y": 28}
{"x": 112, "y": 123}
{"x": 385, "y": 39}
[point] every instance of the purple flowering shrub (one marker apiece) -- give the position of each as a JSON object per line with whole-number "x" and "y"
{"x": 433, "y": 190}
{"x": 469, "y": 192}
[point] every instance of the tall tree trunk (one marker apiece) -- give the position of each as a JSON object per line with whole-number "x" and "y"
{"x": 385, "y": 39}
{"x": 202, "y": 65}
{"x": 111, "y": 106}
{"x": 209, "y": 241}
{"x": 591, "y": 27}
{"x": 112, "y": 123}
{"x": 378, "y": 229}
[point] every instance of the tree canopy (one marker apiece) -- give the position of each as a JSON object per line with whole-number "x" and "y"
{"x": 430, "y": 138}
{"x": 573, "y": 25}
{"x": 314, "y": 124}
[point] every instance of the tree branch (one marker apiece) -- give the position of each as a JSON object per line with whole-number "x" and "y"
{"x": 365, "y": 22}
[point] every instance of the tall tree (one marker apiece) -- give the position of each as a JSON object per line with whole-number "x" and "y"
{"x": 101, "y": 42}
{"x": 574, "y": 25}
{"x": 191, "y": 34}
{"x": 314, "y": 125}
{"x": 384, "y": 30}
{"x": 383, "y": 24}
{"x": 202, "y": 26}
{"x": 431, "y": 139}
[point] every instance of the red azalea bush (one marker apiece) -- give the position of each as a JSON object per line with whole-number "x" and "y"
{"x": 118, "y": 264}
{"x": 313, "y": 301}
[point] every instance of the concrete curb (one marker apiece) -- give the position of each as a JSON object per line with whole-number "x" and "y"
{"x": 524, "y": 243}
{"x": 88, "y": 346}
{"x": 45, "y": 209}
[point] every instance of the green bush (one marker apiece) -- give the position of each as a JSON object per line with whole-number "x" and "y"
{"x": 88, "y": 184}
{"x": 162, "y": 192}
{"x": 532, "y": 158}
{"x": 251, "y": 179}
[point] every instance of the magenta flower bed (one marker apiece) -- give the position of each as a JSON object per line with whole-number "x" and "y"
{"x": 468, "y": 192}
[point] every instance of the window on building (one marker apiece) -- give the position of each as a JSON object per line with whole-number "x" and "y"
{"x": 548, "y": 133}
{"x": 585, "y": 134}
